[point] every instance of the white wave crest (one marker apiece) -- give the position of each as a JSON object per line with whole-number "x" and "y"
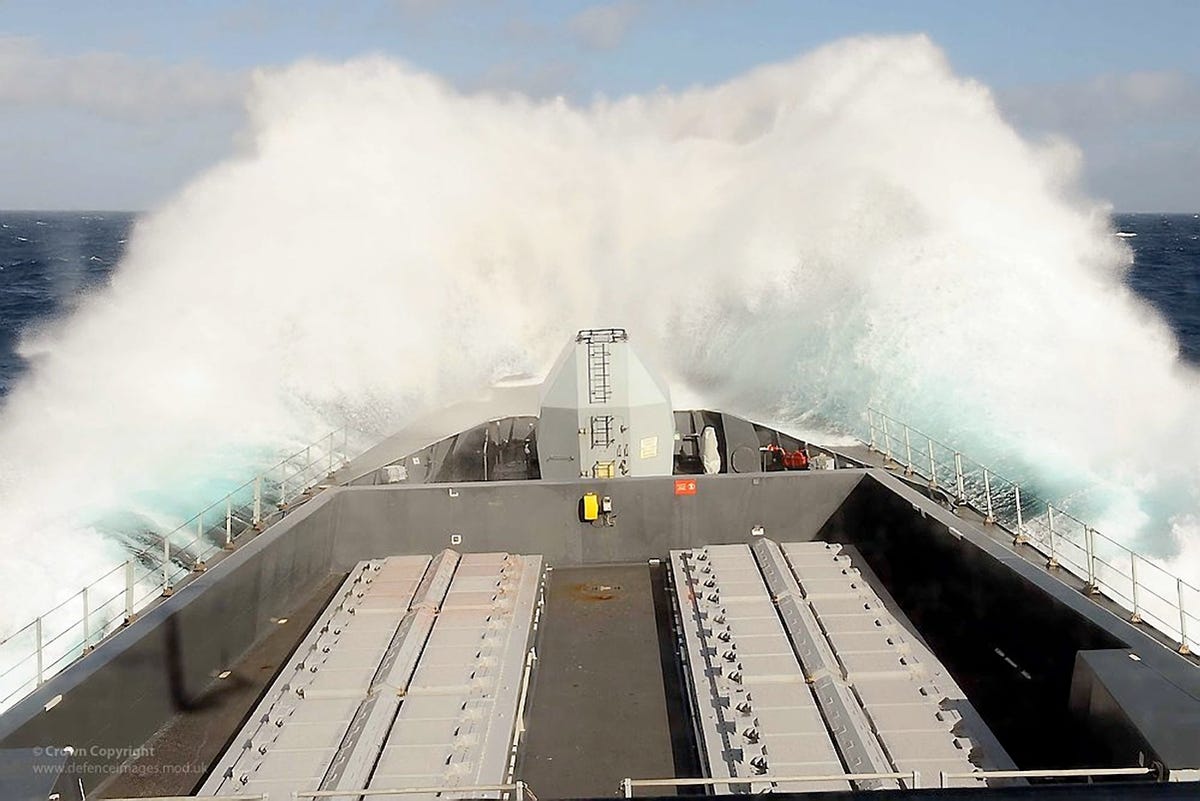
{"x": 858, "y": 225}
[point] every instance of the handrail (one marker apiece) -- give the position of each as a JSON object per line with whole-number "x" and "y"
{"x": 256, "y": 797}
{"x": 518, "y": 788}
{"x": 1064, "y": 773}
{"x": 1149, "y": 592}
{"x": 627, "y": 784}
{"x": 36, "y": 651}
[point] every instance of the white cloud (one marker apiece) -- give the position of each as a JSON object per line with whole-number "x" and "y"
{"x": 1137, "y": 97}
{"x": 107, "y": 130}
{"x": 604, "y": 27}
{"x": 1136, "y": 131}
{"x": 112, "y": 84}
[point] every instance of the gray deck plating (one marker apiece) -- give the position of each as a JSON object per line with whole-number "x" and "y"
{"x": 411, "y": 678}
{"x": 877, "y": 662}
{"x": 837, "y": 679}
{"x": 756, "y": 714}
{"x": 598, "y": 705}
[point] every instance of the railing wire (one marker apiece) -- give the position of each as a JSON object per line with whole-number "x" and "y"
{"x": 56, "y": 638}
{"x": 1149, "y": 592}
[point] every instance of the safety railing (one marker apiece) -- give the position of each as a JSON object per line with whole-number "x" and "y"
{"x": 255, "y": 797}
{"x": 57, "y": 637}
{"x": 1149, "y": 592}
{"x": 911, "y": 778}
{"x": 944, "y": 777}
{"x": 518, "y": 790}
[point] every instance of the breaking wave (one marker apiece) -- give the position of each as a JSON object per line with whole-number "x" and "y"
{"x": 858, "y": 225}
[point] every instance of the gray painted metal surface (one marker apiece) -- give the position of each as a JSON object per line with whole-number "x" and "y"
{"x": 543, "y": 516}
{"x": 294, "y": 735}
{"x": 492, "y": 404}
{"x": 356, "y": 756}
{"x": 128, "y": 688}
{"x": 856, "y": 742}
{"x": 756, "y": 713}
{"x": 797, "y": 669}
{"x": 603, "y": 413}
{"x": 410, "y": 679}
{"x": 456, "y": 723}
{"x": 875, "y": 672}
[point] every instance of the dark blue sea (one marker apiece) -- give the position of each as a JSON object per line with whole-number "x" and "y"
{"x": 48, "y": 261}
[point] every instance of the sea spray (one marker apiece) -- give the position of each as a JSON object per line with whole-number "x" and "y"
{"x": 856, "y": 226}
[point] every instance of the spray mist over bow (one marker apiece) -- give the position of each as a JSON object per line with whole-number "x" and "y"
{"x": 859, "y": 225}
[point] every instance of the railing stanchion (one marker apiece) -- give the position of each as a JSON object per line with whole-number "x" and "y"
{"x": 520, "y": 786}
{"x": 916, "y": 780}
{"x": 1089, "y": 534}
{"x": 908, "y": 465}
{"x": 87, "y": 620}
{"x": 987, "y": 491}
{"x": 871, "y": 428}
{"x": 627, "y": 787}
{"x": 94, "y": 631}
{"x": 1136, "y": 616}
{"x": 960, "y": 484}
{"x": 887, "y": 441}
{"x": 128, "y": 591}
{"x": 1020, "y": 535}
{"x": 932, "y": 464}
{"x": 1052, "y": 562}
{"x": 41, "y": 665}
{"x": 166, "y": 567}
{"x": 1183, "y": 636}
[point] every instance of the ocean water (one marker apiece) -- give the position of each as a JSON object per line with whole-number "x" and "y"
{"x": 50, "y": 261}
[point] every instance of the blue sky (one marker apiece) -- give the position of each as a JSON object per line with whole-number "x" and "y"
{"x": 116, "y": 104}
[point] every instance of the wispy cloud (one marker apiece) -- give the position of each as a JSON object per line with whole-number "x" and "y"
{"x": 605, "y": 26}
{"x": 535, "y": 79}
{"x": 1137, "y": 132}
{"x": 1136, "y": 97}
{"x": 112, "y": 84}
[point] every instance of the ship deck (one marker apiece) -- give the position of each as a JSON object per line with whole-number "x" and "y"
{"x": 618, "y": 664}
{"x": 606, "y": 701}
{"x": 444, "y": 671}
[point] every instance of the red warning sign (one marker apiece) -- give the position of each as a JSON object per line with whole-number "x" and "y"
{"x": 685, "y": 486}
